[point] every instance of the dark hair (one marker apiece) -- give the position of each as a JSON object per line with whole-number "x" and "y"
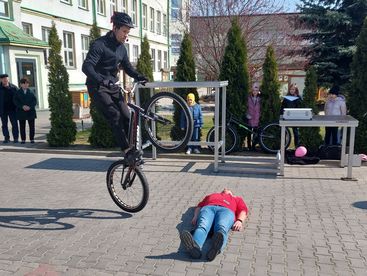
{"x": 24, "y": 80}
{"x": 334, "y": 90}
{"x": 4, "y": 76}
{"x": 120, "y": 19}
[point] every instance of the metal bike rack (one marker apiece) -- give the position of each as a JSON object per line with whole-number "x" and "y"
{"x": 220, "y": 91}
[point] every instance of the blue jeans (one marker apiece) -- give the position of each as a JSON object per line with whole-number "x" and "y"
{"x": 195, "y": 137}
{"x": 220, "y": 217}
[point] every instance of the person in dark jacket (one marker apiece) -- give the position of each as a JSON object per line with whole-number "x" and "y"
{"x": 292, "y": 100}
{"x": 106, "y": 56}
{"x": 7, "y": 109}
{"x": 25, "y": 102}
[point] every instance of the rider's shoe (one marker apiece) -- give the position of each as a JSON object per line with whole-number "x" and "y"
{"x": 133, "y": 155}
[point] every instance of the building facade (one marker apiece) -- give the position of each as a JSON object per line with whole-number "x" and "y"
{"x": 73, "y": 20}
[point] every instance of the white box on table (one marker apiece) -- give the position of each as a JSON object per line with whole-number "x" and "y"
{"x": 297, "y": 114}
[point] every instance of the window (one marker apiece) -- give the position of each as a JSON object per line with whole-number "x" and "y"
{"x": 101, "y": 7}
{"x": 27, "y": 28}
{"x": 85, "y": 46}
{"x": 83, "y": 4}
{"x": 127, "y": 46}
{"x": 133, "y": 11}
{"x": 66, "y": 1}
{"x": 69, "y": 56}
{"x": 45, "y": 36}
{"x": 4, "y": 8}
{"x": 159, "y": 25}
{"x": 165, "y": 24}
{"x": 152, "y": 19}
{"x": 165, "y": 60}
{"x": 113, "y": 6}
{"x": 124, "y": 5}
{"x": 135, "y": 53}
{"x": 145, "y": 19}
{"x": 159, "y": 60}
{"x": 153, "y": 59}
{"x": 176, "y": 6}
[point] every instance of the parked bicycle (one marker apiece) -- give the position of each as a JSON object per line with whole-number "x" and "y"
{"x": 267, "y": 136}
{"x": 126, "y": 182}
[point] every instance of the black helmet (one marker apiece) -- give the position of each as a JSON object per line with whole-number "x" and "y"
{"x": 121, "y": 19}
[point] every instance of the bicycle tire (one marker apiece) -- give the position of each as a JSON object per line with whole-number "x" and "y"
{"x": 232, "y": 140}
{"x": 135, "y": 191}
{"x": 163, "y": 132}
{"x": 270, "y": 138}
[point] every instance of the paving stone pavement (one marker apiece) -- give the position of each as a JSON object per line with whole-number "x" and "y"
{"x": 56, "y": 218}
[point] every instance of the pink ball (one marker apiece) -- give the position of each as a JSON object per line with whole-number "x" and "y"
{"x": 300, "y": 151}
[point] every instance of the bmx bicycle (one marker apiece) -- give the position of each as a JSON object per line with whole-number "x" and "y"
{"x": 267, "y": 136}
{"x": 126, "y": 182}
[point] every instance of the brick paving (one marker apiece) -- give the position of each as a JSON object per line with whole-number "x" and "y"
{"x": 56, "y": 218}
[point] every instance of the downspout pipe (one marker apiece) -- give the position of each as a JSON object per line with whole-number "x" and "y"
{"x": 141, "y": 20}
{"x": 94, "y": 11}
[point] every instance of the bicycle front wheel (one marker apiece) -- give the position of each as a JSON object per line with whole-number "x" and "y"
{"x": 232, "y": 140}
{"x": 270, "y": 138}
{"x": 127, "y": 186}
{"x": 167, "y": 111}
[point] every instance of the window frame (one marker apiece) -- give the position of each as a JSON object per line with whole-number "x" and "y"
{"x": 45, "y": 32}
{"x": 27, "y": 25}
{"x": 67, "y": 50}
{"x": 152, "y": 20}
{"x": 134, "y": 12}
{"x": 113, "y": 6}
{"x": 164, "y": 21}
{"x": 165, "y": 59}
{"x": 67, "y": 2}
{"x": 124, "y": 6}
{"x": 101, "y": 3}
{"x": 86, "y": 7}
{"x": 159, "y": 60}
{"x": 145, "y": 16}
{"x": 85, "y": 38}
{"x": 8, "y": 10}
{"x": 135, "y": 53}
{"x": 152, "y": 53}
{"x": 159, "y": 23}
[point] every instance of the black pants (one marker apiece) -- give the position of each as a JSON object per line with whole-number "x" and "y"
{"x": 251, "y": 143}
{"x": 22, "y": 129}
{"x": 331, "y": 136}
{"x": 14, "y": 125}
{"x": 113, "y": 107}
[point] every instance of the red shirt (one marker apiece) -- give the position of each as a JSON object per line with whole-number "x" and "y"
{"x": 234, "y": 203}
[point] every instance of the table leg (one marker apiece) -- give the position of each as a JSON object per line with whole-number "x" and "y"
{"x": 282, "y": 149}
{"x": 343, "y": 151}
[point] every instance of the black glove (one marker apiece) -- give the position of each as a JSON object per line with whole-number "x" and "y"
{"x": 107, "y": 83}
{"x": 141, "y": 78}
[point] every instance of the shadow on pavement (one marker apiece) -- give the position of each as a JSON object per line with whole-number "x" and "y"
{"x": 360, "y": 205}
{"x": 73, "y": 164}
{"x": 49, "y": 219}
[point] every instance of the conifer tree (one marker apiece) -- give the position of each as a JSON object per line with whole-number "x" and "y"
{"x": 234, "y": 69}
{"x": 358, "y": 93}
{"x": 310, "y": 136}
{"x": 101, "y": 133}
{"x": 270, "y": 97}
{"x": 185, "y": 72}
{"x": 332, "y": 27}
{"x": 63, "y": 128}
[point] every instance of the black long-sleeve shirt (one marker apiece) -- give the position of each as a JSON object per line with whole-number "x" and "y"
{"x": 104, "y": 59}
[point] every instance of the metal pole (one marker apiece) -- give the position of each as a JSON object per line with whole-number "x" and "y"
{"x": 216, "y": 129}
{"x": 223, "y": 134}
{"x": 282, "y": 149}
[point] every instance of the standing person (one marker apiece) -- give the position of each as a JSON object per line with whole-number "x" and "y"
{"x": 292, "y": 100}
{"x": 197, "y": 116}
{"x": 25, "y": 102}
{"x": 223, "y": 211}
{"x": 106, "y": 56}
{"x": 335, "y": 105}
{"x": 253, "y": 114}
{"x": 7, "y": 109}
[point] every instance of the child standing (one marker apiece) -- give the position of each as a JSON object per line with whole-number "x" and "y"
{"x": 292, "y": 100}
{"x": 25, "y": 103}
{"x": 253, "y": 113}
{"x": 197, "y": 116}
{"x": 335, "y": 105}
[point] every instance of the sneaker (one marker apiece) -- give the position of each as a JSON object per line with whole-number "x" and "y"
{"x": 217, "y": 240}
{"x": 23, "y": 142}
{"x": 188, "y": 151}
{"x": 190, "y": 245}
{"x": 15, "y": 141}
{"x": 6, "y": 141}
{"x": 32, "y": 141}
{"x": 196, "y": 151}
{"x": 133, "y": 155}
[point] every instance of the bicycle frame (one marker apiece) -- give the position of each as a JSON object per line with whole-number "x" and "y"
{"x": 239, "y": 123}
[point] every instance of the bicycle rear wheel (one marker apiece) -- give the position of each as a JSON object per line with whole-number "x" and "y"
{"x": 127, "y": 186}
{"x": 166, "y": 110}
{"x": 231, "y": 139}
{"x": 270, "y": 138}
